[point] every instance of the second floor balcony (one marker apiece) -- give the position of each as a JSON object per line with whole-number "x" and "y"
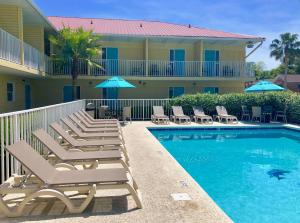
{"x": 18, "y": 52}
{"x": 158, "y": 68}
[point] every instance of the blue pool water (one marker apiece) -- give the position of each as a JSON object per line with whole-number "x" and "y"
{"x": 252, "y": 174}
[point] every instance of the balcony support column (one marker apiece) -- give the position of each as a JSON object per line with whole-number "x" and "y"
{"x": 20, "y": 36}
{"x": 201, "y": 58}
{"x": 146, "y": 57}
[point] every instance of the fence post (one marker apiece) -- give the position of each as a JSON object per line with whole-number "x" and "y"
{"x": 16, "y": 139}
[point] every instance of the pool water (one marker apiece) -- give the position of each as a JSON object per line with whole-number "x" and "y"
{"x": 252, "y": 174}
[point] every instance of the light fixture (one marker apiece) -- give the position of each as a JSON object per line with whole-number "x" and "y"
{"x": 250, "y": 44}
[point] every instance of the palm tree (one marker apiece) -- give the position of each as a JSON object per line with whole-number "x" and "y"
{"x": 285, "y": 49}
{"x": 75, "y": 46}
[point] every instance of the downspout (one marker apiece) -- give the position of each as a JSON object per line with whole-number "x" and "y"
{"x": 259, "y": 45}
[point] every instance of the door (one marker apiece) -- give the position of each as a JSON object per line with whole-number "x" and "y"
{"x": 27, "y": 96}
{"x": 211, "y": 65}
{"x": 67, "y": 93}
{"x": 111, "y": 56}
{"x": 177, "y": 58}
{"x": 110, "y": 93}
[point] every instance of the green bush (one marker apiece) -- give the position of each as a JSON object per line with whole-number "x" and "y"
{"x": 234, "y": 101}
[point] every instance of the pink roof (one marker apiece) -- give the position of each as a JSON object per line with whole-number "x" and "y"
{"x": 141, "y": 28}
{"x": 290, "y": 78}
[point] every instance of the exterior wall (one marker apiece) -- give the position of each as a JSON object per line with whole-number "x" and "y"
{"x": 50, "y": 91}
{"x": 127, "y": 50}
{"x": 11, "y": 20}
{"x": 19, "y": 88}
{"x": 34, "y": 36}
{"x": 227, "y": 52}
{"x": 161, "y": 50}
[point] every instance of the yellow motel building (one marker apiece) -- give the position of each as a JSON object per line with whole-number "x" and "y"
{"x": 162, "y": 60}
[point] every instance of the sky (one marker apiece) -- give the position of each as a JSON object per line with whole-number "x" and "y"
{"x": 265, "y": 18}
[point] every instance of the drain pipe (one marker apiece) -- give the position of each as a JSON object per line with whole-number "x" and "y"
{"x": 259, "y": 45}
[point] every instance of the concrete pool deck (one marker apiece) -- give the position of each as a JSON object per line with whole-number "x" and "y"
{"x": 158, "y": 175}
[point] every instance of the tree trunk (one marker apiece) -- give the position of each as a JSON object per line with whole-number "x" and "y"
{"x": 74, "y": 74}
{"x": 286, "y": 64}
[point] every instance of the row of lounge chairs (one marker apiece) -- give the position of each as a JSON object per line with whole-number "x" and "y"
{"x": 198, "y": 116}
{"x": 70, "y": 165}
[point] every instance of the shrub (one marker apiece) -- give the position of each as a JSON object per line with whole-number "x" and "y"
{"x": 234, "y": 101}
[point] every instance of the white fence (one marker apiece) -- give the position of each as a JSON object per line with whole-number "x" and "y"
{"x": 19, "y": 125}
{"x": 10, "y": 47}
{"x": 16, "y": 126}
{"x": 141, "y": 109}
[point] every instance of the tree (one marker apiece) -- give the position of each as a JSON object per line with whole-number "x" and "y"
{"x": 285, "y": 49}
{"x": 75, "y": 46}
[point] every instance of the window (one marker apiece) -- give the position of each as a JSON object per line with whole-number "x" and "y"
{"x": 175, "y": 91}
{"x": 211, "y": 90}
{"x": 67, "y": 91}
{"x": 10, "y": 91}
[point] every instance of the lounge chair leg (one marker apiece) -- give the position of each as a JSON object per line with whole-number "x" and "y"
{"x": 48, "y": 192}
{"x": 134, "y": 191}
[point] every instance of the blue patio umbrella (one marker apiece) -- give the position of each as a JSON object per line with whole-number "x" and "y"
{"x": 115, "y": 82}
{"x": 263, "y": 86}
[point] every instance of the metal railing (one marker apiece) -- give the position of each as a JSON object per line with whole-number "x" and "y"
{"x": 160, "y": 68}
{"x": 141, "y": 109}
{"x": 19, "y": 125}
{"x": 10, "y": 47}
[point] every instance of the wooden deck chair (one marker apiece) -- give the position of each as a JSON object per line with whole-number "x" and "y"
{"x": 179, "y": 115}
{"x": 200, "y": 115}
{"x": 44, "y": 180}
{"x": 159, "y": 116}
{"x": 74, "y": 157}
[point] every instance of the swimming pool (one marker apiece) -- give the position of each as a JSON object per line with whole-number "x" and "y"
{"x": 253, "y": 174}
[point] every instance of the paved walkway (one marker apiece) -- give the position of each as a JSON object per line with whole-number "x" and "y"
{"x": 158, "y": 176}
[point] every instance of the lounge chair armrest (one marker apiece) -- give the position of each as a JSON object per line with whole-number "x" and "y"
{"x": 65, "y": 166}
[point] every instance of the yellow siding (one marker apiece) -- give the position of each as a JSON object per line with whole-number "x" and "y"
{"x": 19, "y": 88}
{"x": 11, "y": 20}
{"x": 128, "y": 50}
{"x": 227, "y": 52}
{"x": 144, "y": 89}
{"x": 34, "y": 36}
{"x": 161, "y": 51}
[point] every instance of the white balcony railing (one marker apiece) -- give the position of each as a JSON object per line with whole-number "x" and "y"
{"x": 159, "y": 68}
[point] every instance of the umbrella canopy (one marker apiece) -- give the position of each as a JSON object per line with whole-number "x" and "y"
{"x": 115, "y": 82}
{"x": 263, "y": 86}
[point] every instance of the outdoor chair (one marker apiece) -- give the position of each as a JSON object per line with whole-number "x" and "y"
{"x": 267, "y": 113}
{"x": 159, "y": 116}
{"x": 88, "y": 159}
{"x": 87, "y": 115}
{"x": 256, "y": 114}
{"x": 44, "y": 180}
{"x": 93, "y": 129}
{"x": 179, "y": 116}
{"x": 78, "y": 133}
{"x": 281, "y": 115}
{"x": 200, "y": 115}
{"x": 127, "y": 114}
{"x": 245, "y": 113}
{"x": 91, "y": 120}
{"x": 222, "y": 114}
{"x": 87, "y": 145}
{"x": 95, "y": 125}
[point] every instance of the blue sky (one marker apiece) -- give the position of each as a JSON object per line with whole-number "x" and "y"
{"x": 267, "y": 18}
